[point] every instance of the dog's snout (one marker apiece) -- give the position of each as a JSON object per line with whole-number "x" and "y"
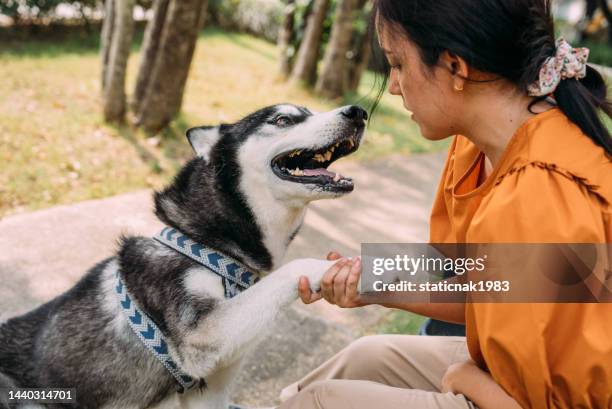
{"x": 355, "y": 114}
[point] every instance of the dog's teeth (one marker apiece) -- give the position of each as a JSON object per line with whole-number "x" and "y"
{"x": 328, "y": 155}
{"x": 337, "y": 177}
{"x": 351, "y": 142}
{"x": 319, "y": 158}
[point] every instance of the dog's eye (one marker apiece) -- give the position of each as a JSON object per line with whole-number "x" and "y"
{"x": 283, "y": 120}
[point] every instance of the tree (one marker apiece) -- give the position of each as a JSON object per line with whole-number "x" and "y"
{"x": 589, "y": 27}
{"x": 150, "y": 46}
{"x": 117, "y": 35}
{"x": 608, "y": 14}
{"x": 167, "y": 55}
{"x": 285, "y": 37}
{"x": 334, "y": 79}
{"x": 362, "y": 59}
{"x": 106, "y": 38}
{"x": 305, "y": 67}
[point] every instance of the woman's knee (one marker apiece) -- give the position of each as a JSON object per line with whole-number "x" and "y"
{"x": 363, "y": 355}
{"x": 322, "y": 394}
{"x": 368, "y": 343}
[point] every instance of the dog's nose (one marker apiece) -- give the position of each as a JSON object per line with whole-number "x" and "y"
{"x": 355, "y": 114}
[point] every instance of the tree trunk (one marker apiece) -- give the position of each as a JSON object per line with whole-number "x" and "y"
{"x": 285, "y": 37}
{"x": 163, "y": 94}
{"x": 333, "y": 81}
{"x": 150, "y": 46}
{"x": 106, "y": 38}
{"x": 606, "y": 11}
{"x": 362, "y": 59}
{"x": 115, "y": 69}
{"x": 591, "y": 7}
{"x": 305, "y": 68}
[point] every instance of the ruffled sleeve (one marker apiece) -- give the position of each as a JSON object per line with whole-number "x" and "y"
{"x": 541, "y": 203}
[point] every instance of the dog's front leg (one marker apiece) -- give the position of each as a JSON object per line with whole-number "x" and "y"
{"x": 219, "y": 387}
{"x": 237, "y": 323}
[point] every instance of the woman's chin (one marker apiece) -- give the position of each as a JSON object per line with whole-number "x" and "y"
{"x": 429, "y": 133}
{"x": 432, "y": 135}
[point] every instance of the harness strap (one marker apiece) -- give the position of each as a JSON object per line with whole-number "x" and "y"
{"x": 236, "y": 278}
{"x": 150, "y": 335}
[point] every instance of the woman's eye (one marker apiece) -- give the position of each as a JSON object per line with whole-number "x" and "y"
{"x": 283, "y": 121}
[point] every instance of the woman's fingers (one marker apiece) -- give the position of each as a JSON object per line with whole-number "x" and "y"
{"x": 340, "y": 281}
{"x": 334, "y": 255}
{"x": 339, "y": 285}
{"x": 304, "y": 290}
{"x": 352, "y": 282}
{"x": 327, "y": 283}
{"x": 305, "y": 293}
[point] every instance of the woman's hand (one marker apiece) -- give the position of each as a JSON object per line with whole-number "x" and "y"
{"x": 458, "y": 374}
{"x": 339, "y": 284}
{"x": 478, "y": 386}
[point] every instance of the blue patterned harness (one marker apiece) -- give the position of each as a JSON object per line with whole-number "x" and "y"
{"x": 236, "y": 278}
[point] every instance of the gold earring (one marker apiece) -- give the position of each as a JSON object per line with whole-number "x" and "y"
{"x": 458, "y": 88}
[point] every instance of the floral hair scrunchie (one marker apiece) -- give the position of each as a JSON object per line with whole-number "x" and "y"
{"x": 568, "y": 62}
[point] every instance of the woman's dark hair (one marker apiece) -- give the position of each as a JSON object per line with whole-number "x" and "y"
{"x": 508, "y": 38}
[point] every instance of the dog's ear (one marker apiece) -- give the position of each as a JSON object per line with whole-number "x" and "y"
{"x": 202, "y": 139}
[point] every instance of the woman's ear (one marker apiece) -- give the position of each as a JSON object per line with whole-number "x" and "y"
{"x": 458, "y": 68}
{"x": 202, "y": 139}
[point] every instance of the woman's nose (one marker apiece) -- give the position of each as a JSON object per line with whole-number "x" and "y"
{"x": 394, "y": 88}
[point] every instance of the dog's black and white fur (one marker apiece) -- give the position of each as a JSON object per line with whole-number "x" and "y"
{"x": 238, "y": 196}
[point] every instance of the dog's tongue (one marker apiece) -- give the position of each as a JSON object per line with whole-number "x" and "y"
{"x": 318, "y": 172}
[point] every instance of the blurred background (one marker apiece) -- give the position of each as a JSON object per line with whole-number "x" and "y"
{"x": 96, "y": 96}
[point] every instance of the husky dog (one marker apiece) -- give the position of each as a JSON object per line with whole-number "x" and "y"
{"x": 243, "y": 195}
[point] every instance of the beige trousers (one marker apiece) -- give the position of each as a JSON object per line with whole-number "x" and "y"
{"x": 382, "y": 371}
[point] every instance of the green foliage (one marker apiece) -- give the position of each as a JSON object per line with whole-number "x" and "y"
{"x": 259, "y": 17}
{"x": 601, "y": 53}
{"x": 33, "y": 9}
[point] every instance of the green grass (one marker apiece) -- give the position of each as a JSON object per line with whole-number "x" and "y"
{"x": 55, "y": 147}
{"x": 400, "y": 322}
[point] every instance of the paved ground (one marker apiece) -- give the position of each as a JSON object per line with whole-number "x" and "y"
{"x": 45, "y": 252}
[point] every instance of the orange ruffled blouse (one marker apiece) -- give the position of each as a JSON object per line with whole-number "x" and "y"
{"x": 552, "y": 185}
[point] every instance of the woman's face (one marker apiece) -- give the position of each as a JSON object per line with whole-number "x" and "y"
{"x": 427, "y": 92}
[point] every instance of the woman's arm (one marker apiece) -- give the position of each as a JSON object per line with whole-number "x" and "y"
{"x": 477, "y": 385}
{"x": 340, "y": 286}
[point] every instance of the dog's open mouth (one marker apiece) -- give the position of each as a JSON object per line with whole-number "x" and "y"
{"x": 310, "y": 166}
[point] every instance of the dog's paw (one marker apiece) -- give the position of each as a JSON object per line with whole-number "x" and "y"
{"x": 313, "y": 269}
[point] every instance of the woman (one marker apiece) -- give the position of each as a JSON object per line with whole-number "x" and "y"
{"x": 531, "y": 164}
